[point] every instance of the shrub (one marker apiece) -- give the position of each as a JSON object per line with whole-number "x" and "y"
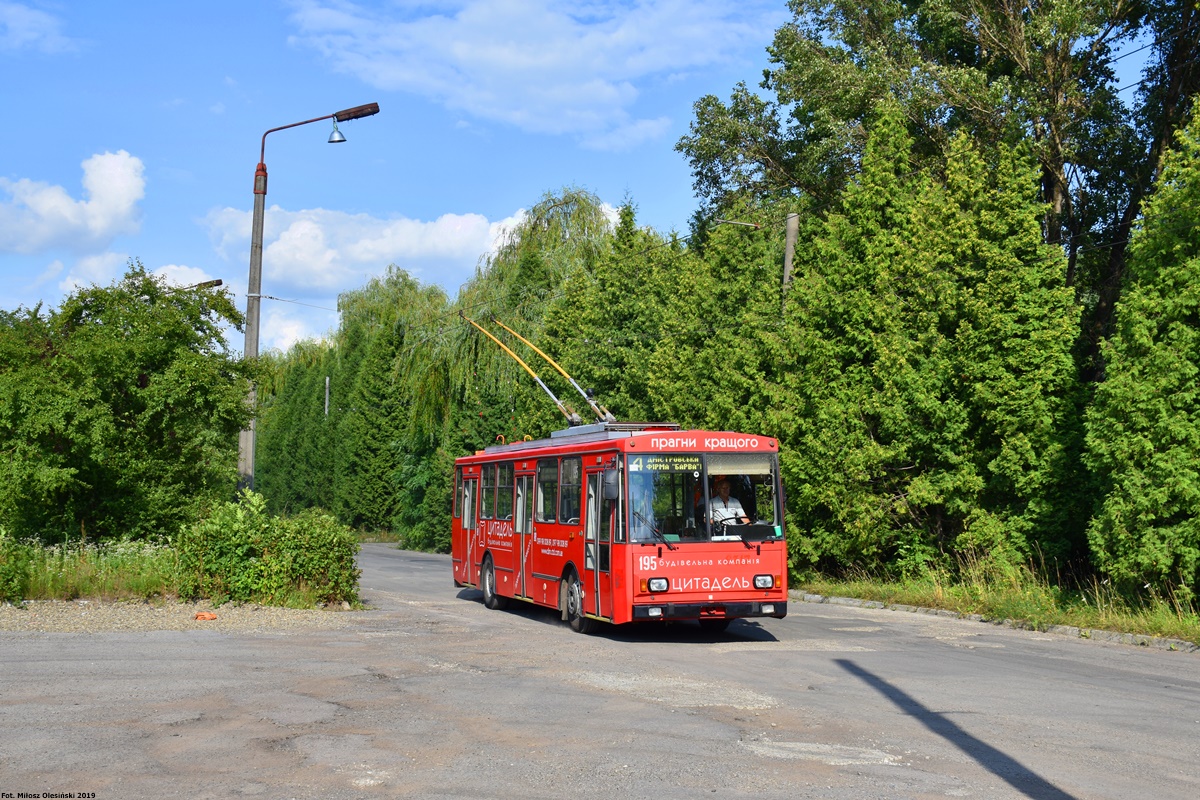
{"x": 242, "y": 553}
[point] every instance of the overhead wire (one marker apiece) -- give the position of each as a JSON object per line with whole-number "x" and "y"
{"x": 296, "y": 302}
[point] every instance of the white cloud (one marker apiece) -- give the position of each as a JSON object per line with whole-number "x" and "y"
{"x": 284, "y": 325}
{"x": 180, "y": 275}
{"x": 99, "y": 270}
{"x": 318, "y": 251}
{"x": 499, "y": 231}
{"x": 311, "y": 256}
{"x": 40, "y": 217}
{"x": 627, "y": 137}
{"x": 25, "y": 28}
{"x": 52, "y": 271}
{"x": 539, "y": 65}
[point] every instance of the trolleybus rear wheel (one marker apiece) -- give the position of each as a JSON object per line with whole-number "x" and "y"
{"x": 487, "y": 582}
{"x": 573, "y": 599}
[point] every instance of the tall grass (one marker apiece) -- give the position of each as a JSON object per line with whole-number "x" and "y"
{"x": 1025, "y": 594}
{"x": 116, "y": 571}
{"x": 239, "y": 552}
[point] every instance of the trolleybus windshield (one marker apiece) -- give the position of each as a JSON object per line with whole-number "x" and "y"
{"x": 672, "y": 496}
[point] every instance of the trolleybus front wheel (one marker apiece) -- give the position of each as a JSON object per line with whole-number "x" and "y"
{"x": 487, "y": 582}
{"x": 573, "y": 606}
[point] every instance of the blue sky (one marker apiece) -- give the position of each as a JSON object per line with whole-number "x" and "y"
{"x": 134, "y": 129}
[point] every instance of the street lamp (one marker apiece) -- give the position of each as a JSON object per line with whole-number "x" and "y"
{"x": 254, "y": 287}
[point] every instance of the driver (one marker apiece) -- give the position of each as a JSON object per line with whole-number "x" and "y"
{"x": 724, "y": 508}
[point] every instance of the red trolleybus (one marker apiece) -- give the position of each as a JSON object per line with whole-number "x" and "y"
{"x": 625, "y": 522}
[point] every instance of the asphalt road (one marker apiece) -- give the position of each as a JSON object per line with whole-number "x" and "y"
{"x": 431, "y": 695}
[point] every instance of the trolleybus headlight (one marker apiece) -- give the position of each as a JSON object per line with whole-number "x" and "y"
{"x": 654, "y": 612}
{"x": 658, "y": 584}
{"x": 764, "y": 582}
{"x": 768, "y": 608}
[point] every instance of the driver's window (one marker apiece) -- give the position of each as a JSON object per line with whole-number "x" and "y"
{"x": 742, "y": 487}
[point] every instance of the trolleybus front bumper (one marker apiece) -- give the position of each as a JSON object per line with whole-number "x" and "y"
{"x": 678, "y": 611}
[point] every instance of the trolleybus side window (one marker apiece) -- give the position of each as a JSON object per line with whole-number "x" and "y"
{"x": 591, "y": 523}
{"x": 607, "y": 509}
{"x": 458, "y": 485}
{"x": 570, "y": 488}
{"x": 468, "y": 498}
{"x": 487, "y": 505}
{"x": 524, "y": 507}
{"x": 547, "y": 489}
{"x": 504, "y": 491}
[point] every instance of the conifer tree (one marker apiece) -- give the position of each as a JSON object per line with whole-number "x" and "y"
{"x": 1143, "y": 429}
{"x": 927, "y": 398}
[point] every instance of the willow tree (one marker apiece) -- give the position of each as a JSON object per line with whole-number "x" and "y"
{"x": 607, "y": 321}
{"x": 375, "y": 408}
{"x": 559, "y": 240}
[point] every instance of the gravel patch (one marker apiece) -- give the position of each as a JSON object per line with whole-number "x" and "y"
{"x": 92, "y": 616}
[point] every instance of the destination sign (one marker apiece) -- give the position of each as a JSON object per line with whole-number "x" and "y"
{"x": 721, "y": 442}
{"x": 665, "y": 463}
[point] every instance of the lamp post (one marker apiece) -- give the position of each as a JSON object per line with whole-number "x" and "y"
{"x": 254, "y": 286}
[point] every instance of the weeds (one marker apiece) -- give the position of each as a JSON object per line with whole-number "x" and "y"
{"x": 1022, "y": 593}
{"x": 116, "y": 571}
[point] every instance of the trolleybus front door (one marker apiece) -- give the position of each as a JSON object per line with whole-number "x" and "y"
{"x": 523, "y": 514}
{"x": 597, "y": 553}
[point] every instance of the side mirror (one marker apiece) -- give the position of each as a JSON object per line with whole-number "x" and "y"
{"x": 612, "y": 484}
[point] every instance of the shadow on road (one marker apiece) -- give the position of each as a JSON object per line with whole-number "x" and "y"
{"x": 1000, "y": 764}
{"x": 740, "y": 630}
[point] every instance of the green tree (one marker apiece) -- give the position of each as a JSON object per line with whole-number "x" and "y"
{"x": 926, "y": 404}
{"x": 717, "y": 360}
{"x": 1143, "y": 430}
{"x": 1039, "y": 74}
{"x": 604, "y": 330}
{"x": 118, "y": 411}
{"x": 296, "y": 436}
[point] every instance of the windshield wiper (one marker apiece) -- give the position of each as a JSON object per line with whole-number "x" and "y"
{"x": 654, "y": 529}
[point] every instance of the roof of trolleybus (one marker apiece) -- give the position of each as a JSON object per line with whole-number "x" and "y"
{"x": 643, "y": 437}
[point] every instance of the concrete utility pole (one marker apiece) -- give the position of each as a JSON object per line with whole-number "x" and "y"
{"x": 791, "y": 234}
{"x": 254, "y": 287}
